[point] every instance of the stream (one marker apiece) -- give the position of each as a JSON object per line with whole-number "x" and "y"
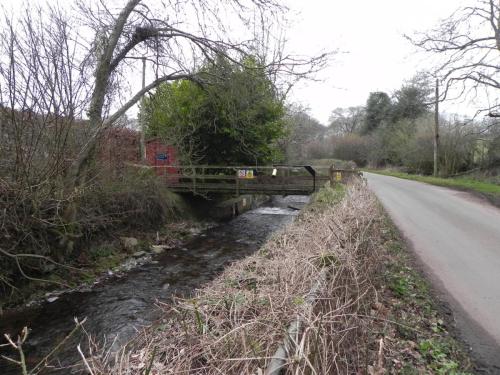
{"x": 116, "y": 308}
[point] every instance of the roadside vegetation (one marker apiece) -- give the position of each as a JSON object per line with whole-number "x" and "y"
{"x": 396, "y": 132}
{"x": 420, "y": 335}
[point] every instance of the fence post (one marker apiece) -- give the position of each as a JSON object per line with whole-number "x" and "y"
{"x": 332, "y": 175}
{"x": 194, "y": 180}
{"x": 237, "y": 184}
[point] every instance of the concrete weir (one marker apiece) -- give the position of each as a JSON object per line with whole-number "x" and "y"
{"x": 235, "y": 206}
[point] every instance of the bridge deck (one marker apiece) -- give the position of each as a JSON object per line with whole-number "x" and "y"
{"x": 270, "y": 180}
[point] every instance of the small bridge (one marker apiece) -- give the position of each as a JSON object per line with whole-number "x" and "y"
{"x": 238, "y": 180}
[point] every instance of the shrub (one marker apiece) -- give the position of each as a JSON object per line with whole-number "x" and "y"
{"x": 32, "y": 222}
{"x": 494, "y": 152}
{"x": 352, "y": 147}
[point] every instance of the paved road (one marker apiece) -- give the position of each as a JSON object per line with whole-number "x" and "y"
{"x": 457, "y": 238}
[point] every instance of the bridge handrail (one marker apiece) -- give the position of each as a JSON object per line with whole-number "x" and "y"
{"x": 243, "y": 167}
{"x": 203, "y": 178}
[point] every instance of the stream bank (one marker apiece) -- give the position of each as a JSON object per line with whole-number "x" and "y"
{"x": 118, "y": 251}
{"x": 116, "y": 308}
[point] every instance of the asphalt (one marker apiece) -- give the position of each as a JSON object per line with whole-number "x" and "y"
{"x": 456, "y": 237}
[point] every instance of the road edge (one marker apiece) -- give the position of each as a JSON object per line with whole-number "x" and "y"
{"x": 463, "y": 328}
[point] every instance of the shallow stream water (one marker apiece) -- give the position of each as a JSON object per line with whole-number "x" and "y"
{"x": 118, "y": 307}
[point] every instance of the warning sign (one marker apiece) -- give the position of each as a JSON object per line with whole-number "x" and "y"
{"x": 245, "y": 173}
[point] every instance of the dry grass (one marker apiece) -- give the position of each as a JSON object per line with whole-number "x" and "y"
{"x": 236, "y": 323}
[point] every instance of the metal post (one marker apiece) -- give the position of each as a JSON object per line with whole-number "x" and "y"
{"x": 313, "y": 173}
{"x": 332, "y": 178}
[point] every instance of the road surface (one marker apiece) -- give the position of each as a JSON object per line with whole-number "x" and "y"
{"x": 457, "y": 238}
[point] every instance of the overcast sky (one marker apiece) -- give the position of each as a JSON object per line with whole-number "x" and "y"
{"x": 377, "y": 56}
{"x": 373, "y": 53}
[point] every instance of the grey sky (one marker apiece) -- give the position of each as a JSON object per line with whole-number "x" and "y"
{"x": 371, "y": 33}
{"x": 373, "y": 52}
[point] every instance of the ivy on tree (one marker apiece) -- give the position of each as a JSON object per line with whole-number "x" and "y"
{"x": 230, "y": 115}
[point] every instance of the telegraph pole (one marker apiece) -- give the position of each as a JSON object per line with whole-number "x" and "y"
{"x": 142, "y": 141}
{"x": 436, "y": 130}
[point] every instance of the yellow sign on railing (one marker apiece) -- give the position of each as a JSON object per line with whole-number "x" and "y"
{"x": 245, "y": 173}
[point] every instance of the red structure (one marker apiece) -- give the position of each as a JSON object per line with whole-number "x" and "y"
{"x": 118, "y": 147}
{"x": 161, "y": 155}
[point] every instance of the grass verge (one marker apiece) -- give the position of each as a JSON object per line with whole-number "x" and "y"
{"x": 489, "y": 190}
{"x": 327, "y": 196}
{"x": 416, "y": 330}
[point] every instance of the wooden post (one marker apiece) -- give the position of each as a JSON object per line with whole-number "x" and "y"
{"x": 332, "y": 176}
{"x": 237, "y": 184}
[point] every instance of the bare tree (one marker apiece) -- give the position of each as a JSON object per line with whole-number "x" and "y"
{"x": 344, "y": 121}
{"x": 60, "y": 68}
{"x": 43, "y": 95}
{"x": 304, "y": 131}
{"x": 468, "y": 44}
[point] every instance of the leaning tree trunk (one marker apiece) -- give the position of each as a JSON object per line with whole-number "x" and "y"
{"x": 77, "y": 174}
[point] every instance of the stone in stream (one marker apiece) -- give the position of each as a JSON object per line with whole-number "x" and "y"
{"x": 158, "y": 249}
{"x": 129, "y": 243}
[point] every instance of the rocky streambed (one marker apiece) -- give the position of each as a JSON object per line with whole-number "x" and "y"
{"x": 119, "y": 306}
